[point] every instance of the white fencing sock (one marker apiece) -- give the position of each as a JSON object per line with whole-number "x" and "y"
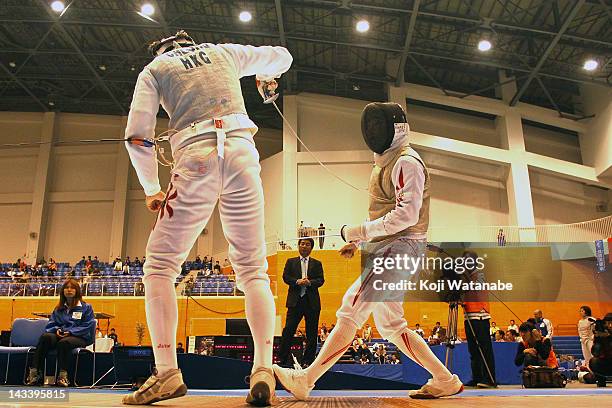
{"x": 162, "y": 319}
{"x": 261, "y": 316}
{"x": 334, "y": 347}
{"x": 417, "y": 349}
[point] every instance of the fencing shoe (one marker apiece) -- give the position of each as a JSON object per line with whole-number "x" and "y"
{"x": 294, "y": 380}
{"x": 262, "y": 385}
{"x": 158, "y": 388}
{"x": 436, "y": 389}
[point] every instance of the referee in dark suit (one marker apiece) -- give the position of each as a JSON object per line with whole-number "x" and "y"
{"x": 304, "y": 275}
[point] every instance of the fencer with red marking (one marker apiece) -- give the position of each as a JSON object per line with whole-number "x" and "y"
{"x": 215, "y": 160}
{"x": 399, "y": 213}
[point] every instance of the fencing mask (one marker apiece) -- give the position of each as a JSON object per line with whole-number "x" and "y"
{"x": 379, "y": 124}
{"x": 180, "y": 39}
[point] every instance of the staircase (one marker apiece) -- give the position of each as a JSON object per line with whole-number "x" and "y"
{"x": 567, "y": 345}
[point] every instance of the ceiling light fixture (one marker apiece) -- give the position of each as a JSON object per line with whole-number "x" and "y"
{"x": 362, "y": 26}
{"x": 590, "y": 65}
{"x": 147, "y": 9}
{"x": 245, "y": 16}
{"x": 484, "y": 45}
{"x": 58, "y": 6}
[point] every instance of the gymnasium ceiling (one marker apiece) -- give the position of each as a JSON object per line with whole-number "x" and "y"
{"x": 88, "y": 59}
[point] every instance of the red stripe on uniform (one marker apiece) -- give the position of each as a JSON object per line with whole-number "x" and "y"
{"x": 407, "y": 343}
{"x": 362, "y": 287}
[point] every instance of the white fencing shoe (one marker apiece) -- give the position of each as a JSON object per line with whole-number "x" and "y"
{"x": 262, "y": 384}
{"x": 158, "y": 388}
{"x": 436, "y": 389}
{"x": 294, "y": 380}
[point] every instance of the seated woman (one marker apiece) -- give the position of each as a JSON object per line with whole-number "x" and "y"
{"x": 534, "y": 350}
{"x": 70, "y": 326}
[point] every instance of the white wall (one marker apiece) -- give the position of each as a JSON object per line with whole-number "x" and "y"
{"x": 552, "y": 143}
{"x": 565, "y": 201}
{"x": 452, "y": 125}
{"x": 83, "y": 168}
{"x": 323, "y": 198}
{"x": 597, "y": 141}
{"x": 17, "y": 170}
{"x": 14, "y": 219}
{"x": 77, "y": 229}
{"x": 330, "y": 123}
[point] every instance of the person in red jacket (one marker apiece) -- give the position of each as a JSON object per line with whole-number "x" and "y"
{"x": 534, "y": 350}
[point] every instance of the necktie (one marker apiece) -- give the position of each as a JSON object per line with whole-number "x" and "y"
{"x": 304, "y": 275}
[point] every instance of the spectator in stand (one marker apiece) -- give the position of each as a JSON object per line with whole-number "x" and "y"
{"x": 70, "y": 326}
{"x": 117, "y": 265}
{"x": 435, "y": 332}
{"x": 179, "y": 348}
{"x": 226, "y": 263}
{"x": 500, "y": 336}
{"x": 511, "y": 336}
{"x": 323, "y": 333}
{"x": 393, "y": 359}
{"x": 364, "y": 359}
{"x": 493, "y": 329}
{"x": 435, "y": 336}
{"x": 99, "y": 334}
{"x": 89, "y": 265}
{"x": 198, "y": 261}
{"x": 380, "y": 354}
{"x": 136, "y": 262}
{"x": 95, "y": 263}
{"x": 140, "y": 290}
{"x": 585, "y": 331}
{"x": 544, "y": 325}
{"x": 113, "y": 335}
{"x": 81, "y": 263}
{"x": 534, "y": 349}
{"x": 217, "y": 268}
{"x": 501, "y": 238}
{"x": 23, "y": 266}
{"x": 364, "y": 350}
{"x": 126, "y": 266}
{"x": 367, "y": 333}
{"x": 513, "y": 326}
{"x": 419, "y": 331}
{"x": 353, "y": 350}
{"x": 52, "y": 266}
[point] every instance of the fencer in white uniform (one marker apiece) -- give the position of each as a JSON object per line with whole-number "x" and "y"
{"x": 399, "y": 217}
{"x": 215, "y": 160}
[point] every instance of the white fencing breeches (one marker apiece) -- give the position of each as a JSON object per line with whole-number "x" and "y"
{"x": 361, "y": 299}
{"x": 198, "y": 180}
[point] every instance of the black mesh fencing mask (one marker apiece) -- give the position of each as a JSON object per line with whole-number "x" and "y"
{"x": 378, "y": 121}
